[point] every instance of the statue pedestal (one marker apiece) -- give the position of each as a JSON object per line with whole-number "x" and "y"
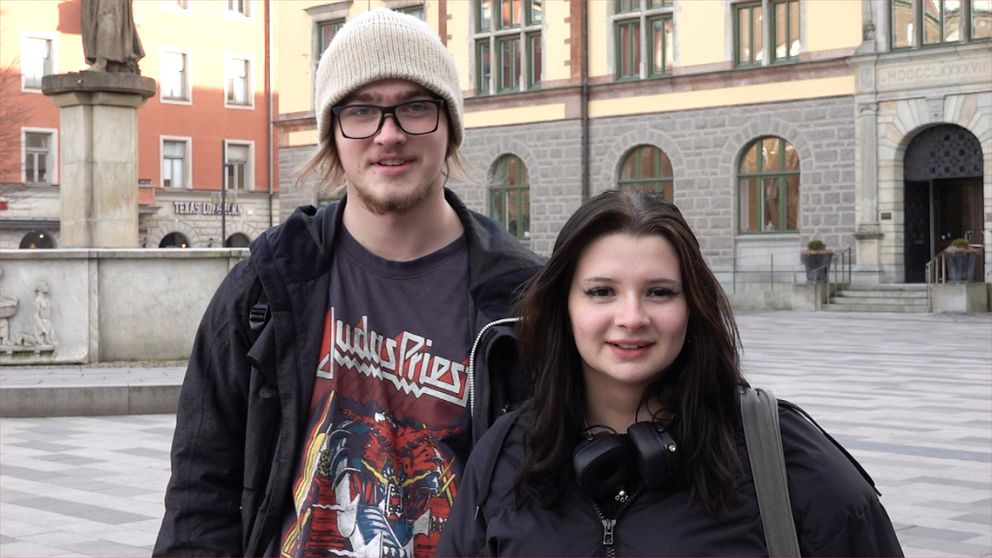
{"x": 99, "y": 163}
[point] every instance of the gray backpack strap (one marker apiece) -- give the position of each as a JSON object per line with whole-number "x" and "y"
{"x": 759, "y": 413}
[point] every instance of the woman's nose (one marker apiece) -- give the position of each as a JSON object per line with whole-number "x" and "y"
{"x": 631, "y": 313}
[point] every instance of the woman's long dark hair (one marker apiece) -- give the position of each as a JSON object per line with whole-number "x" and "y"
{"x": 700, "y": 386}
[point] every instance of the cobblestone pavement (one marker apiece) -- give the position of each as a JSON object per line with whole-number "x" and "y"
{"x": 909, "y": 395}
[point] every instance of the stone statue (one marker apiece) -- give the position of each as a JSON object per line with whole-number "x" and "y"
{"x": 110, "y": 41}
{"x": 43, "y": 332}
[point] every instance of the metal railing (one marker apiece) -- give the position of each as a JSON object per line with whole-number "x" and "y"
{"x": 837, "y": 273}
{"x": 934, "y": 272}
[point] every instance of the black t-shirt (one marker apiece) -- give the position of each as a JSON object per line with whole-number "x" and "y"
{"x": 374, "y": 478}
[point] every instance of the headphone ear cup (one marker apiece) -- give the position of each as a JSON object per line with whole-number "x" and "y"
{"x": 658, "y": 455}
{"x": 602, "y": 464}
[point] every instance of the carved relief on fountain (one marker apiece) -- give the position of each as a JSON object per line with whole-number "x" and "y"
{"x": 40, "y": 337}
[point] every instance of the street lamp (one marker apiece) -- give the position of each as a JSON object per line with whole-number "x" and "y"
{"x": 228, "y": 171}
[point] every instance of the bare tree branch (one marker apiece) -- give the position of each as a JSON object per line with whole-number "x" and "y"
{"x": 13, "y": 114}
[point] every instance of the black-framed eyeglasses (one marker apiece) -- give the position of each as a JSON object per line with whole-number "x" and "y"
{"x": 414, "y": 118}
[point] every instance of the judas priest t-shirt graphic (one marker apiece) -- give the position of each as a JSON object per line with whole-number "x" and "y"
{"x": 375, "y": 478}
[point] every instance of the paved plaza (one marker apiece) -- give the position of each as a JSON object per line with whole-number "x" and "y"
{"x": 909, "y": 395}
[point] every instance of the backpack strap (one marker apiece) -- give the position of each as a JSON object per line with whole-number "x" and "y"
{"x": 762, "y": 434}
{"x": 489, "y": 467}
{"x": 259, "y": 314}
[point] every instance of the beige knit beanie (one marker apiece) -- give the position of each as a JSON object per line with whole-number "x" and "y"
{"x": 383, "y": 44}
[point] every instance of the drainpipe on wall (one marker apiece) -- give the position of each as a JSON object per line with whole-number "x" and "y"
{"x": 584, "y": 9}
{"x": 269, "y": 107}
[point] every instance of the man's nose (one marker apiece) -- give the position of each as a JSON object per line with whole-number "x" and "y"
{"x": 390, "y": 131}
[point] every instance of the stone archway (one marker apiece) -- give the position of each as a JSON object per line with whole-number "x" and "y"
{"x": 942, "y": 195}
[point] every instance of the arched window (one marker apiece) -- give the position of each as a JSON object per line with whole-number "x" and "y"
{"x": 509, "y": 196}
{"x": 768, "y": 179}
{"x": 237, "y": 240}
{"x": 37, "y": 239}
{"x": 174, "y": 240}
{"x": 646, "y": 167}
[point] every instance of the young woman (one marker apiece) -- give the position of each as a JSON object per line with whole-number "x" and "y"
{"x": 632, "y": 443}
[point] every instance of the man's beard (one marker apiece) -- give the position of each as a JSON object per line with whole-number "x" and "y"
{"x": 394, "y": 204}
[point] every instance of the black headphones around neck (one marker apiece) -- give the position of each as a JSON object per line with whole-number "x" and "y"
{"x": 606, "y": 462}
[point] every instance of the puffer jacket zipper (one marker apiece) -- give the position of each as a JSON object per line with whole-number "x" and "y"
{"x": 610, "y": 524}
{"x": 472, "y": 355}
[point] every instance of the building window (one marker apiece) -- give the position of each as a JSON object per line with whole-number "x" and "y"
{"x": 238, "y": 81}
{"x": 36, "y": 61}
{"x": 175, "y": 76}
{"x": 507, "y": 45}
{"x": 239, "y": 7}
{"x": 325, "y": 34}
{"x": 768, "y": 179}
{"x": 237, "y": 162}
{"x": 785, "y": 30}
{"x": 417, "y": 11}
{"x": 781, "y": 28}
{"x": 175, "y": 162}
{"x": 932, "y": 22}
{"x": 647, "y": 168}
{"x": 38, "y": 154}
{"x": 643, "y": 30}
{"x": 509, "y": 196}
{"x": 747, "y": 32}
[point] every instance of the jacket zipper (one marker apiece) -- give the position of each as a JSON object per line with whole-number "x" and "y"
{"x": 610, "y": 525}
{"x": 471, "y": 359}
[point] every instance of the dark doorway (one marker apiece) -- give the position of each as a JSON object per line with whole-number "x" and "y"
{"x": 943, "y": 196}
{"x": 237, "y": 240}
{"x": 174, "y": 240}
{"x": 37, "y": 240}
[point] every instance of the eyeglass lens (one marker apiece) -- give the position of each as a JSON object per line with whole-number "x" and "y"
{"x": 363, "y": 121}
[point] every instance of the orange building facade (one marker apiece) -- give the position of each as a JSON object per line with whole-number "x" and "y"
{"x": 205, "y": 128}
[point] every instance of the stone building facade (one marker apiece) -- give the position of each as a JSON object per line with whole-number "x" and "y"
{"x": 858, "y": 94}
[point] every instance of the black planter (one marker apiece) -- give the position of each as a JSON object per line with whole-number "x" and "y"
{"x": 817, "y": 265}
{"x": 960, "y": 266}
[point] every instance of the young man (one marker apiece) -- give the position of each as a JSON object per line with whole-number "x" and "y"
{"x": 332, "y": 396}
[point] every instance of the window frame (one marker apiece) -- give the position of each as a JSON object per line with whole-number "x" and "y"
{"x": 412, "y": 9}
{"x": 249, "y": 174}
{"x": 186, "y": 53}
{"x": 966, "y": 25}
{"x": 529, "y": 62}
{"x": 249, "y": 78}
{"x": 187, "y": 161}
{"x": 236, "y": 14}
{"x": 497, "y": 191}
{"x": 774, "y": 26}
{"x": 639, "y": 182}
{"x": 781, "y": 177}
{"x": 51, "y": 161}
{"x": 753, "y": 61}
{"x": 641, "y": 14}
{"x": 47, "y": 69}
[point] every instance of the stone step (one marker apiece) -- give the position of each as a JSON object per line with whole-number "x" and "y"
{"x": 888, "y": 295}
{"x": 909, "y": 288}
{"x": 874, "y": 299}
{"x": 896, "y": 308}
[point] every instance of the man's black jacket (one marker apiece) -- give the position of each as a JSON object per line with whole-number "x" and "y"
{"x": 244, "y": 401}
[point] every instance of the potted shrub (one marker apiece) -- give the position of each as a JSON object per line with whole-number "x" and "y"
{"x": 816, "y": 258}
{"x": 960, "y": 258}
